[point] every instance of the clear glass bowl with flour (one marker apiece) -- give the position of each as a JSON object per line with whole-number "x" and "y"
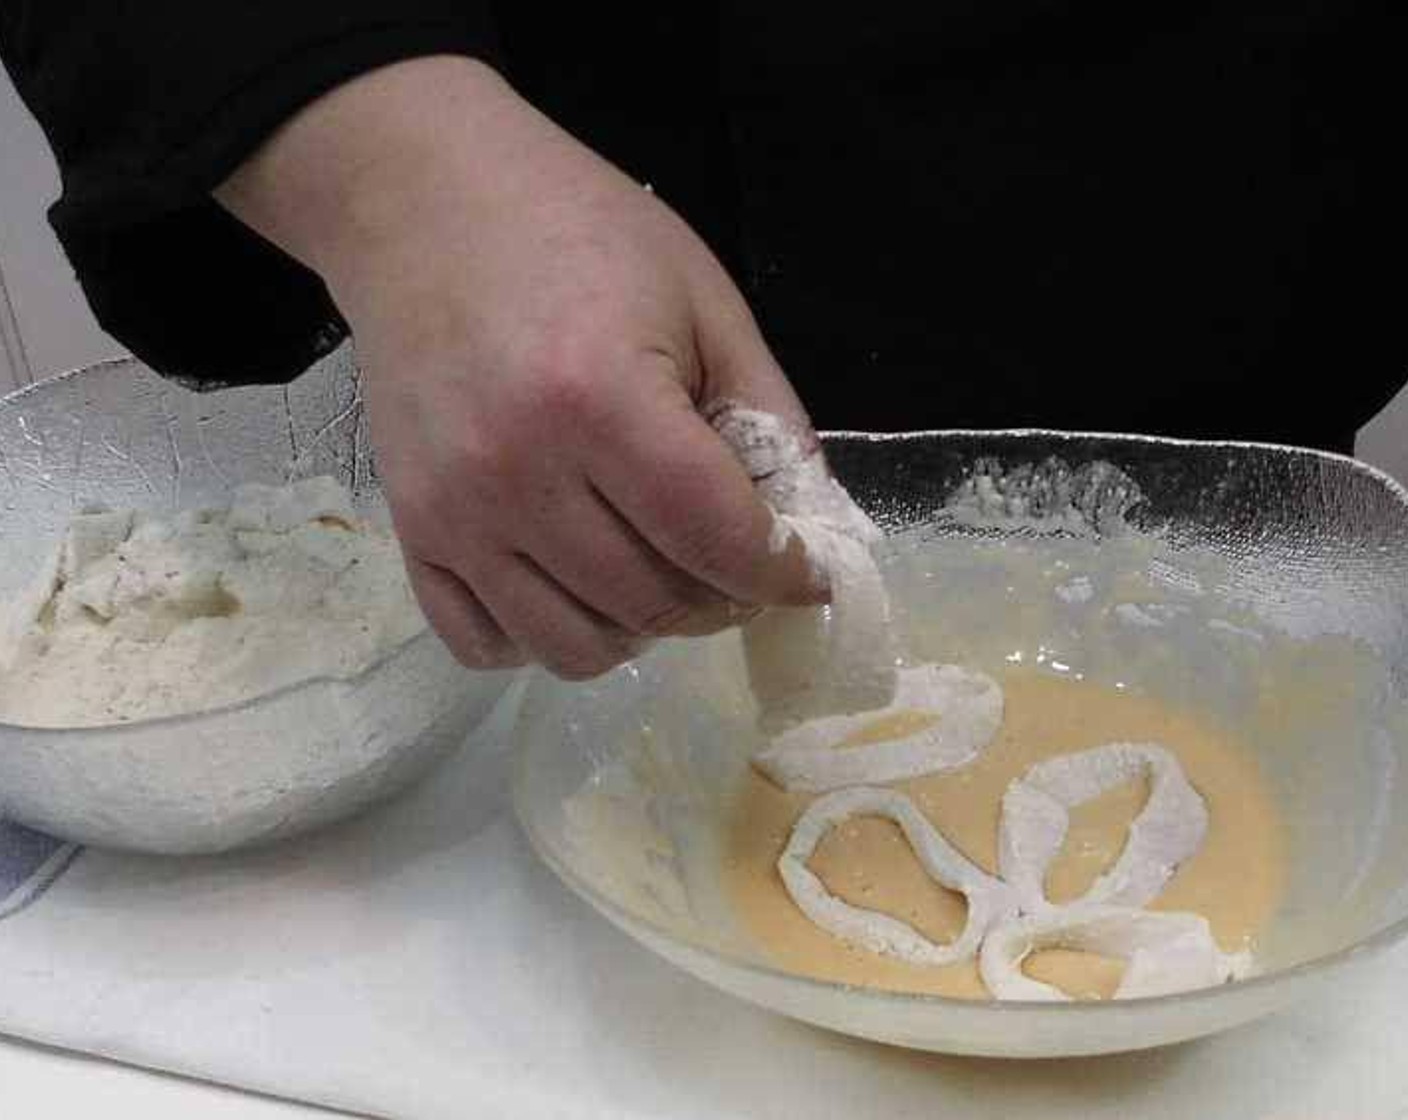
{"x": 240, "y": 661}
{"x": 1247, "y": 605}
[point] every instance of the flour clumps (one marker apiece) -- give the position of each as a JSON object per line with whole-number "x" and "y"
{"x": 140, "y": 615}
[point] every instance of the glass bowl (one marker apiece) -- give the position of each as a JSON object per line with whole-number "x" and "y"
{"x": 1189, "y": 559}
{"x": 254, "y": 772}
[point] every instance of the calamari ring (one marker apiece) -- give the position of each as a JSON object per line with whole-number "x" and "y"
{"x": 989, "y": 900}
{"x": 968, "y": 704}
{"x": 1165, "y": 951}
{"x": 1036, "y": 814}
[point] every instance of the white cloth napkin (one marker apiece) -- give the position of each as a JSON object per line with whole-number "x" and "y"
{"x": 418, "y": 962}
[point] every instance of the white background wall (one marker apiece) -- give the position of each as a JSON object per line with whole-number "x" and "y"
{"x": 1384, "y": 440}
{"x": 46, "y": 328}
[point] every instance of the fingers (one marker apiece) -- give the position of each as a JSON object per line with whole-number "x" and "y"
{"x": 542, "y": 622}
{"x": 671, "y": 476}
{"x": 595, "y": 591}
{"x": 598, "y": 558}
{"x": 548, "y": 624}
{"x": 460, "y": 619}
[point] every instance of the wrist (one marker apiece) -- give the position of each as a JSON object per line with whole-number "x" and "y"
{"x": 355, "y": 168}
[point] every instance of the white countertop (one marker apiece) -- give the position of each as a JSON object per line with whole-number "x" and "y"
{"x": 1337, "y": 1058}
{"x": 41, "y": 1083}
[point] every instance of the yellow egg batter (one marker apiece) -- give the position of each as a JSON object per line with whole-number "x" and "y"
{"x": 1234, "y": 880}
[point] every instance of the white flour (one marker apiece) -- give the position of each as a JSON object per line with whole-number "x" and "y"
{"x": 141, "y": 616}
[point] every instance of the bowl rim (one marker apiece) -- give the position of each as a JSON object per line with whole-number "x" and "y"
{"x": 1074, "y": 435}
{"x": 73, "y": 373}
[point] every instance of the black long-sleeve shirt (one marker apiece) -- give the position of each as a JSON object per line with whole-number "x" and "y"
{"x": 1183, "y": 219}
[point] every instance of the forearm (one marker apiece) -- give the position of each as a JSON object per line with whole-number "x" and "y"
{"x": 365, "y": 181}
{"x": 349, "y": 167}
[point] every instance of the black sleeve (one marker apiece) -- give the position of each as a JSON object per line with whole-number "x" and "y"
{"x": 148, "y": 105}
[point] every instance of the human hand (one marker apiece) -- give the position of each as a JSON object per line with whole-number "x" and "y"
{"x": 540, "y": 335}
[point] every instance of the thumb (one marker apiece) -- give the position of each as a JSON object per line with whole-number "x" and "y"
{"x": 753, "y": 407}
{"x": 735, "y": 364}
